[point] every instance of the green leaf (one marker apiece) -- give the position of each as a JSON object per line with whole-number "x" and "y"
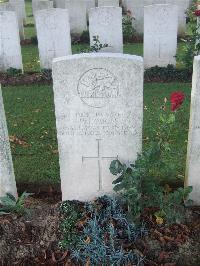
{"x": 118, "y": 180}
{"x": 7, "y": 201}
{"x": 118, "y": 187}
{"x": 116, "y": 167}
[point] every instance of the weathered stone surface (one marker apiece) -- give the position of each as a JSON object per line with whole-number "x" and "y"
{"x": 99, "y": 112}
{"x": 9, "y": 6}
{"x": 193, "y": 153}
{"x": 89, "y": 4}
{"x": 53, "y": 33}
{"x": 182, "y": 7}
{"x": 10, "y": 50}
{"x": 106, "y": 23}
{"x": 160, "y": 35}
{"x": 7, "y": 177}
{"x": 108, "y": 3}
{"x": 60, "y": 3}
{"x": 77, "y": 15}
{"x": 41, "y": 4}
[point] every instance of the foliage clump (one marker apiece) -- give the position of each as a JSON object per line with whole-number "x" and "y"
{"x": 13, "y": 72}
{"x": 101, "y": 233}
{"x": 191, "y": 46}
{"x": 9, "y": 204}
{"x": 140, "y": 184}
{"x": 127, "y": 27}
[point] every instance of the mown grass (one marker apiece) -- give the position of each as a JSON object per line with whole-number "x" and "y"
{"x": 30, "y": 116}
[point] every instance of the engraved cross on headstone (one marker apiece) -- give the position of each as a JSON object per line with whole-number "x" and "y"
{"x": 99, "y": 159}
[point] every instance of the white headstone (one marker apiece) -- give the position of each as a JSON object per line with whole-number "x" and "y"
{"x": 53, "y": 33}
{"x": 108, "y": 3}
{"x": 89, "y": 4}
{"x": 7, "y": 177}
{"x": 60, "y": 3}
{"x": 106, "y": 23}
{"x": 99, "y": 111}
{"x": 123, "y": 4}
{"x": 19, "y": 7}
{"x": 136, "y": 7}
{"x": 10, "y": 50}
{"x": 160, "y": 35}
{"x": 182, "y": 7}
{"x": 77, "y": 15}
{"x": 41, "y": 4}
{"x": 193, "y": 153}
{"x": 7, "y": 6}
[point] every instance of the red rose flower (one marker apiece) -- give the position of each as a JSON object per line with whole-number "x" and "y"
{"x": 197, "y": 13}
{"x": 176, "y": 100}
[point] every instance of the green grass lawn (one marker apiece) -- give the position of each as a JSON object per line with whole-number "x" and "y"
{"x": 30, "y": 117}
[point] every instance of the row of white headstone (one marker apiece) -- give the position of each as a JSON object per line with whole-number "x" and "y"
{"x": 54, "y": 39}
{"x": 79, "y": 10}
{"x": 99, "y": 115}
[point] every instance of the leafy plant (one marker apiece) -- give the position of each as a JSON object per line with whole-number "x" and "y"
{"x": 8, "y": 204}
{"x": 127, "y": 26}
{"x": 167, "y": 74}
{"x": 85, "y": 38}
{"x": 139, "y": 184}
{"x": 13, "y": 72}
{"x": 34, "y": 40}
{"x": 70, "y": 216}
{"x": 96, "y": 47}
{"x": 192, "y": 41}
{"x": 101, "y": 230}
{"x": 46, "y": 74}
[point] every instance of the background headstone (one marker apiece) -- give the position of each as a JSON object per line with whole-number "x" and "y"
{"x": 99, "y": 112}
{"x": 193, "y": 153}
{"x": 19, "y": 7}
{"x": 7, "y": 177}
{"x": 182, "y": 5}
{"x": 160, "y": 35}
{"x": 77, "y": 16}
{"x": 89, "y": 4}
{"x": 41, "y": 4}
{"x": 10, "y": 50}
{"x": 108, "y": 3}
{"x": 60, "y": 3}
{"x": 136, "y": 7}
{"x": 53, "y": 33}
{"x": 106, "y": 23}
{"x": 8, "y": 6}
